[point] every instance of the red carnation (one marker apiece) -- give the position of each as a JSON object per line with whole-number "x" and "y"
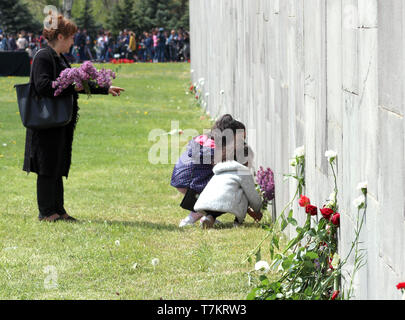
{"x": 312, "y": 210}
{"x": 304, "y": 201}
{"x": 326, "y": 213}
{"x": 334, "y": 295}
{"x": 401, "y": 285}
{"x": 336, "y": 219}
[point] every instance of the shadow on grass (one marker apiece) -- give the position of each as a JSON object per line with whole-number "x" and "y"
{"x": 168, "y": 227}
{"x": 138, "y": 224}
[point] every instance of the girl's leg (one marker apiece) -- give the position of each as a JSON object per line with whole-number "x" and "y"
{"x": 192, "y": 217}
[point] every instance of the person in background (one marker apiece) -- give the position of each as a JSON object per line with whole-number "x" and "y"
{"x": 141, "y": 48}
{"x": 87, "y": 46}
{"x": 155, "y": 45}
{"x": 186, "y": 46}
{"x": 148, "y": 47}
{"x": 161, "y": 44}
{"x": 3, "y": 42}
{"x": 180, "y": 46}
{"x": 12, "y": 45}
{"x": 172, "y": 43}
{"x": 22, "y": 43}
{"x": 132, "y": 46}
{"x": 100, "y": 47}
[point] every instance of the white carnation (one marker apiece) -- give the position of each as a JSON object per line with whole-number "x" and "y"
{"x": 299, "y": 152}
{"x": 293, "y": 162}
{"x": 359, "y": 201}
{"x": 362, "y": 185}
{"x": 331, "y": 155}
{"x": 262, "y": 267}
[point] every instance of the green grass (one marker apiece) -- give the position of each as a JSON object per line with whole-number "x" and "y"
{"x": 117, "y": 195}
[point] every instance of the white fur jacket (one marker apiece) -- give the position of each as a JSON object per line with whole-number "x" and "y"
{"x": 231, "y": 189}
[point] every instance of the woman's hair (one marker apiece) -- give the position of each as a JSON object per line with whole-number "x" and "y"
{"x": 64, "y": 26}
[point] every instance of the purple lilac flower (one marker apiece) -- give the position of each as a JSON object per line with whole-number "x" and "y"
{"x": 265, "y": 180}
{"x": 78, "y": 76}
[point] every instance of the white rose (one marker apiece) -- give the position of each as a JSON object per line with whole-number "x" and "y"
{"x": 117, "y": 243}
{"x": 262, "y": 267}
{"x": 155, "y": 262}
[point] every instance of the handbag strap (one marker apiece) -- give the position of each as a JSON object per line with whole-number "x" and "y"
{"x": 53, "y": 64}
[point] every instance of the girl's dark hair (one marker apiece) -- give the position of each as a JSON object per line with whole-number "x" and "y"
{"x": 218, "y": 134}
{"x": 226, "y": 122}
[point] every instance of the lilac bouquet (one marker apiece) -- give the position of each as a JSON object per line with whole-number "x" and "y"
{"x": 265, "y": 181}
{"x": 80, "y": 77}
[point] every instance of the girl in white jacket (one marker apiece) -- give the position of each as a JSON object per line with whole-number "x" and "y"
{"x": 231, "y": 190}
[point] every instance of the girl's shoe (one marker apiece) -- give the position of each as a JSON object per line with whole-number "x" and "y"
{"x": 188, "y": 221}
{"x": 207, "y": 222}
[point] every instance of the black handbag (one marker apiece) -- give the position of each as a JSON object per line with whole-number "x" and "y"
{"x": 189, "y": 200}
{"x": 38, "y": 112}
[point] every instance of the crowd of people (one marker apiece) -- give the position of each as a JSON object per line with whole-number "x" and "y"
{"x": 157, "y": 45}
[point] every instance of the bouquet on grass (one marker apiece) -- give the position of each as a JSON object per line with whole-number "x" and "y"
{"x": 81, "y": 76}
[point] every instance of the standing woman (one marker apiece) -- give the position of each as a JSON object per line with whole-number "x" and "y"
{"x": 48, "y": 152}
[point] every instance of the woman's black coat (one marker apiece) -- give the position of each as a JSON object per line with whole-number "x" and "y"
{"x": 49, "y": 151}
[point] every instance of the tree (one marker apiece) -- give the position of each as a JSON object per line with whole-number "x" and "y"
{"x": 67, "y": 8}
{"x": 171, "y": 14}
{"x": 86, "y": 20}
{"x": 15, "y": 16}
{"x": 123, "y": 17}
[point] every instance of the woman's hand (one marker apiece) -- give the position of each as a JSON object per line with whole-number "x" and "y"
{"x": 115, "y": 91}
{"x": 257, "y": 216}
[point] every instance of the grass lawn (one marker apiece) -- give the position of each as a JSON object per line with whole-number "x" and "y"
{"x": 117, "y": 194}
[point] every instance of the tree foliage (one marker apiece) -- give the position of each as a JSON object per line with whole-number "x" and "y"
{"x": 15, "y": 16}
{"x": 86, "y": 19}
